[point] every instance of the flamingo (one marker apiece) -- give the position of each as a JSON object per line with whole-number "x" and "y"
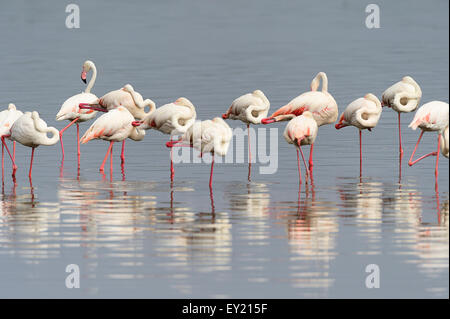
{"x": 301, "y": 130}
{"x": 126, "y": 97}
{"x": 403, "y": 97}
{"x": 30, "y": 130}
{"x": 249, "y": 108}
{"x": 363, "y": 113}
{"x": 320, "y": 103}
{"x": 432, "y": 116}
{"x": 173, "y": 119}
{"x": 114, "y": 126}
{"x": 70, "y": 109}
{"x": 7, "y": 119}
{"x": 210, "y": 136}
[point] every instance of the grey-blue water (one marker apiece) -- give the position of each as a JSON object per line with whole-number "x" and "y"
{"x": 136, "y": 235}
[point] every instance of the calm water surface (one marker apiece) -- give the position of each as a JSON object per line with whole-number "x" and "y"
{"x": 135, "y": 234}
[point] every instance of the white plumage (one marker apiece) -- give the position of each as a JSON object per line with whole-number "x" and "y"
{"x": 320, "y": 103}
{"x": 115, "y": 126}
{"x": 301, "y": 129}
{"x": 432, "y": 116}
{"x": 210, "y": 136}
{"x": 30, "y": 130}
{"x": 128, "y": 98}
{"x": 403, "y": 96}
{"x": 362, "y": 113}
{"x": 173, "y": 118}
{"x": 249, "y": 108}
{"x": 7, "y": 119}
{"x": 70, "y": 109}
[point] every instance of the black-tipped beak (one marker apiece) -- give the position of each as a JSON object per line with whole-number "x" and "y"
{"x": 84, "y": 80}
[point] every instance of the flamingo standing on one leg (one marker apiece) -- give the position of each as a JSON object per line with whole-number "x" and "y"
{"x": 210, "y": 136}
{"x": 301, "y": 130}
{"x": 363, "y": 113}
{"x": 70, "y": 109}
{"x": 403, "y": 97}
{"x": 432, "y": 116}
{"x": 30, "y": 130}
{"x": 127, "y": 97}
{"x": 7, "y": 119}
{"x": 249, "y": 108}
{"x": 114, "y": 126}
{"x": 320, "y": 103}
{"x": 173, "y": 119}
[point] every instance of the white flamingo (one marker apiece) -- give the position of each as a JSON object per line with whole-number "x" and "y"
{"x": 362, "y": 113}
{"x": 210, "y": 136}
{"x": 173, "y": 119}
{"x": 70, "y": 109}
{"x": 114, "y": 126}
{"x": 432, "y": 116}
{"x": 301, "y": 130}
{"x": 126, "y": 97}
{"x": 30, "y": 130}
{"x": 7, "y": 119}
{"x": 403, "y": 97}
{"x": 250, "y": 108}
{"x": 320, "y": 103}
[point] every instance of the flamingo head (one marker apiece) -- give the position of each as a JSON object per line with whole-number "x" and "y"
{"x": 87, "y": 65}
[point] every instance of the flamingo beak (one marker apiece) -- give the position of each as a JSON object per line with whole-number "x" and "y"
{"x": 339, "y": 126}
{"x": 136, "y": 123}
{"x": 83, "y": 76}
{"x": 224, "y": 116}
{"x": 268, "y": 120}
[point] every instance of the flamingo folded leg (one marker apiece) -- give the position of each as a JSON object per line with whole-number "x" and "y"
{"x": 61, "y": 134}
{"x": 411, "y": 162}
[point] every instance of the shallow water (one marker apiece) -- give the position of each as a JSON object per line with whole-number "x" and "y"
{"x": 136, "y": 234}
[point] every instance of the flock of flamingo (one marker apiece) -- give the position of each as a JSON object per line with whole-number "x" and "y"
{"x": 125, "y": 117}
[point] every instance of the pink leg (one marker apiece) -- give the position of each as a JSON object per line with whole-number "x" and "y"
{"x": 102, "y": 167}
{"x": 172, "y": 171}
{"x": 122, "y": 155}
{"x": 299, "y": 168}
{"x": 78, "y": 144}
{"x": 3, "y": 159}
{"x": 360, "y": 153}
{"x": 311, "y": 163}
{"x": 212, "y": 170}
{"x": 31, "y": 162}
{"x": 111, "y": 161}
{"x": 400, "y": 137}
{"x": 12, "y": 158}
{"x": 61, "y": 134}
{"x": 304, "y": 162}
{"x": 411, "y": 162}
{"x": 14, "y": 151}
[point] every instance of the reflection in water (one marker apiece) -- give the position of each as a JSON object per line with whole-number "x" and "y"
{"x": 144, "y": 230}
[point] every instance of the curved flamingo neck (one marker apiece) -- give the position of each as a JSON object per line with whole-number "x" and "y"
{"x": 93, "y": 78}
{"x": 316, "y": 82}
